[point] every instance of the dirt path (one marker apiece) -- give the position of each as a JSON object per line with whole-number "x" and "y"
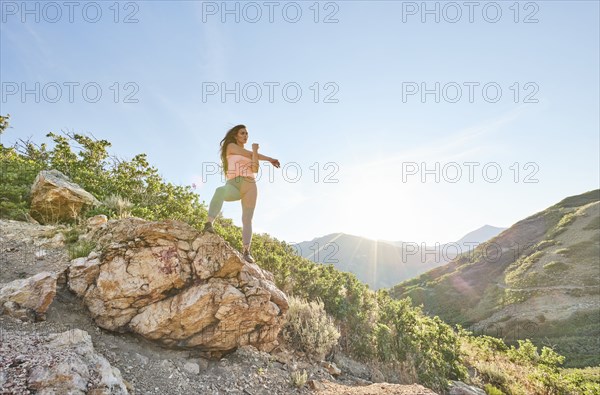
{"x": 569, "y": 287}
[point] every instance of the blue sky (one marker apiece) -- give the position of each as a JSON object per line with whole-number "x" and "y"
{"x": 361, "y": 137}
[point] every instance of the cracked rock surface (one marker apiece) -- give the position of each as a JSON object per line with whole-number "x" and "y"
{"x": 167, "y": 282}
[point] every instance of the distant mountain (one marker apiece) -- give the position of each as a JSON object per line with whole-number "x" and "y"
{"x": 539, "y": 279}
{"x": 467, "y": 242}
{"x": 478, "y": 236}
{"x": 382, "y": 264}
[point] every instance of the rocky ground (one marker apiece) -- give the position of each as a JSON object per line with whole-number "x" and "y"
{"x": 145, "y": 368}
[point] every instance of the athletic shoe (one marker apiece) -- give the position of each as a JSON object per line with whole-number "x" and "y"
{"x": 248, "y": 257}
{"x": 208, "y": 228}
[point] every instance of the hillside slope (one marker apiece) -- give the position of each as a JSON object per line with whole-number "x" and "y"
{"x": 539, "y": 279}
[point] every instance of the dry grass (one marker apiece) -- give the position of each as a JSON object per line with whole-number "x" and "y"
{"x": 497, "y": 369}
{"x": 308, "y": 328}
{"x": 298, "y": 379}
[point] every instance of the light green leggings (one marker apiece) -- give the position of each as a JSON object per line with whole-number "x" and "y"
{"x": 238, "y": 188}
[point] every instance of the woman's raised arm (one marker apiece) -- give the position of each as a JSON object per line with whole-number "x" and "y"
{"x": 233, "y": 148}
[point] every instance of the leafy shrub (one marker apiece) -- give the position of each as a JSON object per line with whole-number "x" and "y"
{"x": 18, "y": 173}
{"x": 551, "y": 358}
{"x": 385, "y": 340}
{"x": 519, "y": 274}
{"x": 526, "y": 352}
{"x": 563, "y": 224}
{"x": 308, "y": 328}
{"x": 490, "y": 343}
{"x": 129, "y": 187}
{"x": 491, "y": 390}
{"x": 567, "y": 219}
{"x": 427, "y": 341}
{"x": 523, "y": 370}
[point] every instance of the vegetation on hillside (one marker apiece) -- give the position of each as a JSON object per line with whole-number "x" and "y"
{"x": 554, "y": 256}
{"x": 373, "y": 327}
{"x": 523, "y": 369}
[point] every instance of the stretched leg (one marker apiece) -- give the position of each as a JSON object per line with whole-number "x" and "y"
{"x": 228, "y": 192}
{"x": 249, "y": 193}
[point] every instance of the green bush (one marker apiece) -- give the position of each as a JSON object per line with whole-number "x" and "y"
{"x": 490, "y": 343}
{"x": 128, "y": 187}
{"x": 562, "y": 225}
{"x": 491, "y": 390}
{"x": 525, "y": 353}
{"x": 517, "y": 271}
{"x": 551, "y": 358}
{"x": 429, "y": 343}
{"x": 385, "y": 340}
{"x": 18, "y": 173}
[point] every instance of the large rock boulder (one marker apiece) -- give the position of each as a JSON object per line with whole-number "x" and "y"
{"x": 55, "y": 198}
{"x": 169, "y": 283}
{"x": 28, "y": 299}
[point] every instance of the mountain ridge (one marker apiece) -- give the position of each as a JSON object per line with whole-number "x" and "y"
{"x": 382, "y": 264}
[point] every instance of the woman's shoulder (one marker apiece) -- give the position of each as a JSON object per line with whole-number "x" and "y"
{"x": 228, "y": 149}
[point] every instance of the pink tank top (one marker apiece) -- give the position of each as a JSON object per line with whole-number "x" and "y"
{"x": 239, "y": 165}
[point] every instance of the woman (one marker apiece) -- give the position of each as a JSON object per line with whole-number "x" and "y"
{"x": 239, "y": 166}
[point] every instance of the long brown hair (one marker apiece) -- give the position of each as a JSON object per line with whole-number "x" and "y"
{"x": 229, "y": 138}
